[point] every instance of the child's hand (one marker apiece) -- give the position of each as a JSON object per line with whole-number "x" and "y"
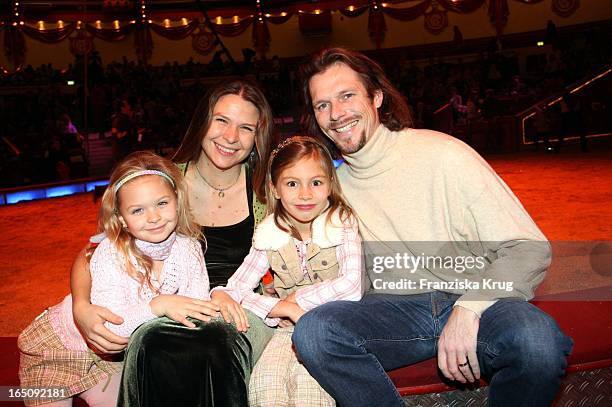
{"x": 179, "y": 307}
{"x": 231, "y": 310}
{"x": 296, "y": 312}
{"x": 287, "y": 309}
{"x": 285, "y": 323}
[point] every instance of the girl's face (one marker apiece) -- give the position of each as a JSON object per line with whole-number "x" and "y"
{"x": 231, "y": 135}
{"x": 148, "y": 208}
{"x": 303, "y": 190}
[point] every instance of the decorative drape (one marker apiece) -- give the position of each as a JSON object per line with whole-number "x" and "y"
{"x": 280, "y": 19}
{"x": 143, "y": 42}
{"x": 49, "y": 36}
{"x": 235, "y": 29}
{"x": 175, "y": 33}
{"x": 261, "y": 37}
{"x": 407, "y": 13}
{"x": 463, "y": 6}
{"x": 433, "y": 11}
{"x": 355, "y": 12}
{"x": 315, "y": 24}
{"x": 14, "y": 45}
{"x": 81, "y": 43}
{"x": 498, "y": 14}
{"x": 565, "y": 8}
{"x": 110, "y": 34}
{"x": 436, "y": 20}
{"x": 377, "y": 26}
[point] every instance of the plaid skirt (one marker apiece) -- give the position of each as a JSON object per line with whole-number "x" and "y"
{"x": 279, "y": 379}
{"x": 44, "y": 362}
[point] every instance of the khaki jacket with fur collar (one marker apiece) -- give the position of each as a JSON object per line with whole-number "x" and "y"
{"x": 283, "y": 257}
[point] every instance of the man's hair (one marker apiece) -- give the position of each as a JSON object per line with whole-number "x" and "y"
{"x": 393, "y": 113}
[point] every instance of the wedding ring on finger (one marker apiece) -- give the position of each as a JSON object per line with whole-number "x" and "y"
{"x": 463, "y": 364}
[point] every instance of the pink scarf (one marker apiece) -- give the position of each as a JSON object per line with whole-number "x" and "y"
{"x": 157, "y": 251}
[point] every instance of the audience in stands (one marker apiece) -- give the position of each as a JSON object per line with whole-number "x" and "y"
{"x": 163, "y": 97}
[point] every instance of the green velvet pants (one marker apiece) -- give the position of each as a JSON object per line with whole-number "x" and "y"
{"x": 168, "y": 364}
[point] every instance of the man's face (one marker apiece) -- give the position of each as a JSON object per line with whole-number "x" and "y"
{"x": 342, "y": 107}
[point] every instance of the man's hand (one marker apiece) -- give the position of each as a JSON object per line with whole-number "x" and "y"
{"x": 90, "y": 320}
{"x": 457, "y": 346}
{"x": 231, "y": 310}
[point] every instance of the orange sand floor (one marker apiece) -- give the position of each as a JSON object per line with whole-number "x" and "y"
{"x": 569, "y": 195}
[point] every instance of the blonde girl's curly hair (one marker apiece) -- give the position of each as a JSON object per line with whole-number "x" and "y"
{"x": 109, "y": 217}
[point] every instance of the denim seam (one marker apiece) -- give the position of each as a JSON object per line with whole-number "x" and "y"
{"x": 419, "y": 338}
{"x": 380, "y": 369}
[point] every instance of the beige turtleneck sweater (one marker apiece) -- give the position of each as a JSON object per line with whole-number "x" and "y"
{"x": 428, "y": 195}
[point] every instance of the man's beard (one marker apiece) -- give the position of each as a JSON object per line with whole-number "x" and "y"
{"x": 351, "y": 149}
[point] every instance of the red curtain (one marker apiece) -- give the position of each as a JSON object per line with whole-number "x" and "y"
{"x": 279, "y": 19}
{"x": 110, "y": 34}
{"x": 14, "y": 46}
{"x": 408, "y": 13}
{"x": 233, "y": 30}
{"x": 357, "y": 11}
{"x": 143, "y": 42}
{"x": 498, "y": 13}
{"x": 315, "y": 24}
{"x": 377, "y": 26}
{"x": 174, "y": 33}
{"x": 463, "y": 6}
{"x": 49, "y": 36}
{"x": 261, "y": 37}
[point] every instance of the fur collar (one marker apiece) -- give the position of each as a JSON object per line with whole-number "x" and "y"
{"x": 268, "y": 236}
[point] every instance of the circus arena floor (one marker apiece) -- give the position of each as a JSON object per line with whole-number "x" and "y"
{"x": 569, "y": 196}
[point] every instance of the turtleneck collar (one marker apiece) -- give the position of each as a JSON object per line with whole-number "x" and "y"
{"x": 370, "y": 160}
{"x": 157, "y": 251}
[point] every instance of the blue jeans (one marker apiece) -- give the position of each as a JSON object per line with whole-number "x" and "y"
{"x": 348, "y": 346}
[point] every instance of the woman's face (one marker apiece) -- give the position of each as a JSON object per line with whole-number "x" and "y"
{"x": 232, "y": 130}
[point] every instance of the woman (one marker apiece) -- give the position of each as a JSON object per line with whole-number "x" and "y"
{"x": 166, "y": 363}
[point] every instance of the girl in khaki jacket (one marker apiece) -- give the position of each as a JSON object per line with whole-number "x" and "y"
{"x": 311, "y": 243}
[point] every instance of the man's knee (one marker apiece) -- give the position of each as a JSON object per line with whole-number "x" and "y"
{"x": 539, "y": 345}
{"x": 318, "y": 327}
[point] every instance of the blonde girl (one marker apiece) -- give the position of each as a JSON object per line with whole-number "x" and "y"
{"x": 149, "y": 264}
{"x": 309, "y": 239}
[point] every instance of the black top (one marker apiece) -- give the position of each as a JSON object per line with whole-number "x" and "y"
{"x": 227, "y": 246}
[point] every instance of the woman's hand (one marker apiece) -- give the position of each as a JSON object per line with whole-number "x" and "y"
{"x": 231, "y": 310}
{"x": 90, "y": 320}
{"x": 179, "y": 307}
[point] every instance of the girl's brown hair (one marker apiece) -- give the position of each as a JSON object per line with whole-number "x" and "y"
{"x": 191, "y": 146}
{"x": 287, "y": 154}
{"x": 109, "y": 220}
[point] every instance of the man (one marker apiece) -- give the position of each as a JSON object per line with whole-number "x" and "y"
{"x": 421, "y": 195}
